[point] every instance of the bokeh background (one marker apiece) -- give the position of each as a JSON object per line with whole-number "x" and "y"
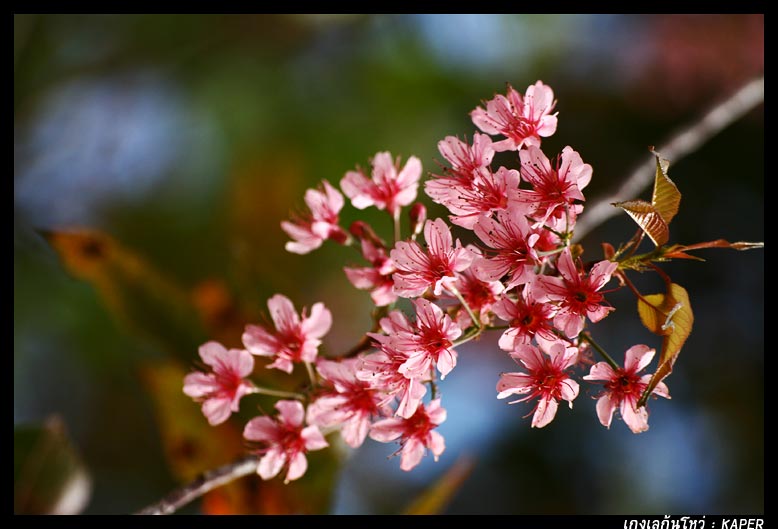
{"x": 181, "y": 142}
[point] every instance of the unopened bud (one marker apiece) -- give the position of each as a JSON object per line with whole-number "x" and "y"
{"x": 417, "y": 214}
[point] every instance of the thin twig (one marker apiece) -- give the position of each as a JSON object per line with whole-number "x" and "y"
{"x": 683, "y": 143}
{"x": 205, "y": 482}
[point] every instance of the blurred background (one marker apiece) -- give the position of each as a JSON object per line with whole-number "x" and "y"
{"x": 155, "y": 156}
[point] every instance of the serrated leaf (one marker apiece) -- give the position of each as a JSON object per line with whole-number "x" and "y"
{"x": 49, "y": 475}
{"x": 648, "y": 218}
{"x": 439, "y": 495}
{"x": 666, "y": 198}
{"x": 668, "y": 315}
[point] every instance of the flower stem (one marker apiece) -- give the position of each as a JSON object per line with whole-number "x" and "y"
{"x": 585, "y": 337}
{"x": 278, "y": 393}
{"x": 311, "y": 374}
{"x": 397, "y": 225}
{"x": 461, "y": 299}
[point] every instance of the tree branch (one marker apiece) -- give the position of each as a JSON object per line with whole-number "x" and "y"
{"x": 683, "y": 143}
{"x": 205, "y": 482}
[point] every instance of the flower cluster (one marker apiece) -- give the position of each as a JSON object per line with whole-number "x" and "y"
{"x": 522, "y": 276}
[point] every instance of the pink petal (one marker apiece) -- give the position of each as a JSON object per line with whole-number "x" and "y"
{"x": 437, "y": 444}
{"x": 438, "y": 236}
{"x": 567, "y": 268}
{"x": 601, "y": 371}
{"x": 334, "y": 198}
{"x": 318, "y": 323}
{"x": 662, "y": 390}
{"x": 513, "y": 384}
{"x": 387, "y": 430}
{"x": 259, "y": 341}
{"x": 637, "y": 358}
{"x": 605, "y": 408}
{"x": 291, "y": 412}
{"x": 261, "y": 429}
{"x": 238, "y": 361}
{"x": 217, "y": 410}
{"x": 410, "y": 173}
{"x": 569, "y": 390}
{"x": 283, "y": 313}
{"x": 601, "y": 274}
{"x": 637, "y": 420}
{"x": 447, "y": 360}
{"x": 198, "y": 384}
{"x": 412, "y": 394}
{"x": 212, "y": 353}
{"x": 354, "y": 185}
{"x": 362, "y": 278}
{"x": 412, "y": 452}
{"x": 271, "y": 463}
{"x": 355, "y": 430}
{"x": 314, "y": 440}
{"x": 297, "y": 467}
{"x": 436, "y": 413}
{"x": 545, "y": 412}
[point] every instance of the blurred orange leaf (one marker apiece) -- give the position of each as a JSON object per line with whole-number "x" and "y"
{"x": 435, "y": 499}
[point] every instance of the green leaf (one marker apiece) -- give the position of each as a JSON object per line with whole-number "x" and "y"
{"x": 648, "y": 218}
{"x": 439, "y": 495}
{"x": 668, "y": 315}
{"x": 49, "y": 476}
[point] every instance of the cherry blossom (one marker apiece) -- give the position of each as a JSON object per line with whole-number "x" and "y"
{"x": 350, "y": 402}
{"x": 286, "y": 440}
{"x": 416, "y": 433}
{"x": 309, "y": 230}
{"x": 220, "y": 390}
{"x": 546, "y": 378}
{"x": 512, "y": 251}
{"x": 294, "y": 339}
{"x": 470, "y": 200}
{"x": 624, "y": 387}
{"x": 526, "y": 317}
{"x": 554, "y": 191}
{"x": 522, "y": 120}
{"x": 480, "y": 296}
{"x": 435, "y": 268}
{"x": 429, "y": 343}
{"x": 377, "y": 278}
{"x": 390, "y": 188}
{"x": 578, "y": 296}
{"x": 466, "y": 159}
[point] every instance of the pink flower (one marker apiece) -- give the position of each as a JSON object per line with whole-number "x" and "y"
{"x": 468, "y": 201}
{"x": 220, "y": 390}
{"x": 577, "y": 295}
{"x": 293, "y": 340}
{"x": 546, "y": 378}
{"x": 554, "y": 191}
{"x": 436, "y": 268}
{"x": 351, "y": 402}
{"x": 416, "y": 433}
{"x": 429, "y": 343}
{"x": 526, "y": 317}
{"x": 623, "y": 388}
{"x": 286, "y": 440}
{"x": 320, "y": 223}
{"x": 480, "y": 296}
{"x": 388, "y": 189}
{"x": 465, "y": 159}
{"x": 512, "y": 241}
{"x": 521, "y": 120}
{"x": 377, "y": 278}
{"x": 382, "y": 369}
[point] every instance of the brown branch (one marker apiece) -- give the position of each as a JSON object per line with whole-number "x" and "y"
{"x": 205, "y": 482}
{"x": 683, "y": 143}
